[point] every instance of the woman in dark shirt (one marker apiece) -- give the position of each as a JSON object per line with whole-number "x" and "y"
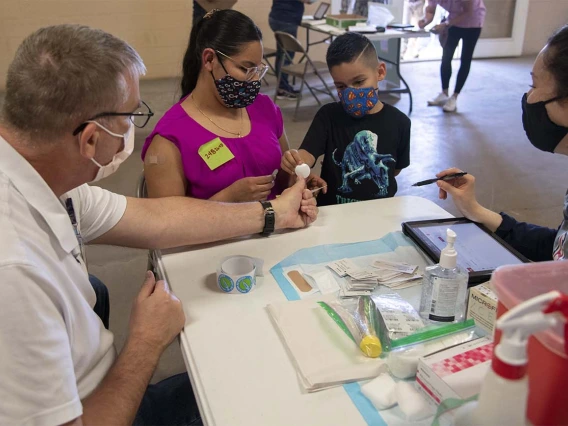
{"x": 545, "y": 120}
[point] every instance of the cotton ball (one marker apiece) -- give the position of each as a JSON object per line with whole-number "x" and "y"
{"x": 381, "y": 391}
{"x": 412, "y": 404}
{"x": 302, "y": 170}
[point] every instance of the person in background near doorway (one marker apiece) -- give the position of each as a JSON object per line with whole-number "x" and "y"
{"x": 545, "y": 120}
{"x": 413, "y": 13}
{"x": 464, "y": 22}
{"x": 198, "y": 13}
{"x": 286, "y": 16}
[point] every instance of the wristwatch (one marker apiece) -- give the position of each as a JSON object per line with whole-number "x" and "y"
{"x": 269, "y": 218}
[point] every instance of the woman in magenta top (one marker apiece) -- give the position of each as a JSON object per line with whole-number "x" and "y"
{"x": 464, "y": 22}
{"x": 223, "y": 140}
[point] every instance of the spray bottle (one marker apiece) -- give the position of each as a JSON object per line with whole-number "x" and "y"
{"x": 503, "y": 397}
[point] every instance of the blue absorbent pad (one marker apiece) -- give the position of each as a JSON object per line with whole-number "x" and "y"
{"x": 329, "y": 253}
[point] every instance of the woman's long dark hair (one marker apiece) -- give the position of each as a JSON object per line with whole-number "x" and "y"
{"x": 223, "y": 30}
{"x": 556, "y": 60}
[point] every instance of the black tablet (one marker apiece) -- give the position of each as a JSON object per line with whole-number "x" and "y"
{"x": 479, "y": 250}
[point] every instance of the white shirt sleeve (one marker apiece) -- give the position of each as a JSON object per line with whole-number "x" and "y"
{"x": 98, "y": 210}
{"x": 36, "y": 369}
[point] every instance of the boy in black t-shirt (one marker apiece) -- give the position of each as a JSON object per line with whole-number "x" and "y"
{"x": 365, "y": 143}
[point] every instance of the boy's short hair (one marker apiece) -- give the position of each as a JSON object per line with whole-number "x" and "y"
{"x": 349, "y": 47}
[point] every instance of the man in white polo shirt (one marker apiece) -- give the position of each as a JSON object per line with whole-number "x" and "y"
{"x": 72, "y": 101}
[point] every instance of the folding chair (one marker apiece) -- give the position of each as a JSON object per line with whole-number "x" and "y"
{"x": 289, "y": 43}
{"x": 269, "y": 53}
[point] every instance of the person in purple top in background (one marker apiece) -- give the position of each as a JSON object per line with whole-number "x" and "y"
{"x": 223, "y": 140}
{"x": 464, "y": 22}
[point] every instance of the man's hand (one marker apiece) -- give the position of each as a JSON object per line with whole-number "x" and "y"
{"x": 296, "y": 207}
{"x": 157, "y": 315}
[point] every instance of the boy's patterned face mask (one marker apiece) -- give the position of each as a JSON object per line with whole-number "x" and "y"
{"x": 358, "y": 102}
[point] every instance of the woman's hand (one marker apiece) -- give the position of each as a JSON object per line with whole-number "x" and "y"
{"x": 422, "y": 23}
{"x": 439, "y": 28}
{"x": 462, "y": 190}
{"x": 247, "y": 189}
{"x": 290, "y": 160}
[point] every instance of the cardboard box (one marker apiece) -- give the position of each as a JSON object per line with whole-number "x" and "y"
{"x": 456, "y": 372}
{"x": 344, "y": 21}
{"x": 482, "y": 307}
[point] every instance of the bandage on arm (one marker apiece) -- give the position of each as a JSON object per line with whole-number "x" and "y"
{"x": 163, "y": 169}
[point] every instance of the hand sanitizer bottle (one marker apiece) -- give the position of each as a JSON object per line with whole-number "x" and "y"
{"x": 444, "y": 288}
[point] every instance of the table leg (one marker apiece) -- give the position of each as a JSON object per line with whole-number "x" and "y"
{"x": 397, "y": 66}
{"x": 395, "y": 61}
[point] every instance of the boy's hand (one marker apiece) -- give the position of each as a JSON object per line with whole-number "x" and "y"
{"x": 315, "y": 182}
{"x": 290, "y": 160}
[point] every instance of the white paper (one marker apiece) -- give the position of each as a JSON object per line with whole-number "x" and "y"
{"x": 395, "y": 266}
{"x": 321, "y": 278}
{"x": 343, "y": 267}
{"x": 322, "y": 354}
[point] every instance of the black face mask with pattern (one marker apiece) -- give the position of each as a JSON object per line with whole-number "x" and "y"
{"x": 235, "y": 93}
{"x": 543, "y": 133}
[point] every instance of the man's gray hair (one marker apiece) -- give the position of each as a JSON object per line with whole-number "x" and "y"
{"x": 64, "y": 75}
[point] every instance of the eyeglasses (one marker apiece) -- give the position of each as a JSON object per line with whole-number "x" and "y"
{"x": 250, "y": 72}
{"x": 139, "y": 118}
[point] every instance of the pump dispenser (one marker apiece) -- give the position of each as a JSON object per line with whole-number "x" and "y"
{"x": 449, "y": 255}
{"x": 444, "y": 290}
{"x": 503, "y": 396}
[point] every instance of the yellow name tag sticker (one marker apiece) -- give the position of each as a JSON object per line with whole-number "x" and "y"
{"x": 215, "y": 153}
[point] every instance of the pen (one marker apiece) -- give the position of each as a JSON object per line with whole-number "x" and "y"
{"x": 445, "y": 178}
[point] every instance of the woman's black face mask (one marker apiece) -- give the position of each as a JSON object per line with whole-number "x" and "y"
{"x": 541, "y": 131}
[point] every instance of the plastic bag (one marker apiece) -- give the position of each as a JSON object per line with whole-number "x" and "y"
{"x": 357, "y": 318}
{"x": 379, "y": 16}
{"x": 403, "y": 358}
{"x": 396, "y": 318}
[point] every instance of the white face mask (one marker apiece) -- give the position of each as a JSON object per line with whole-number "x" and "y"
{"x": 119, "y": 157}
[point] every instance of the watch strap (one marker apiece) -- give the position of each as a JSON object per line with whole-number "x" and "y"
{"x": 269, "y": 218}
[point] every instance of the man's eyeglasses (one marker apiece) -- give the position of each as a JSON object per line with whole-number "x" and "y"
{"x": 250, "y": 72}
{"x": 139, "y": 118}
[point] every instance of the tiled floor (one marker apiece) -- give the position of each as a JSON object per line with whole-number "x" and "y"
{"x": 485, "y": 138}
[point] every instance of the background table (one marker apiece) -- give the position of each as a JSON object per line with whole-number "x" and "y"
{"x": 238, "y": 366}
{"x": 391, "y": 56}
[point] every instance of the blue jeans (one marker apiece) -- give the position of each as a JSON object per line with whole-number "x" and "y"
{"x": 102, "y": 306}
{"x": 198, "y": 13}
{"x": 170, "y": 402}
{"x": 281, "y": 59}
